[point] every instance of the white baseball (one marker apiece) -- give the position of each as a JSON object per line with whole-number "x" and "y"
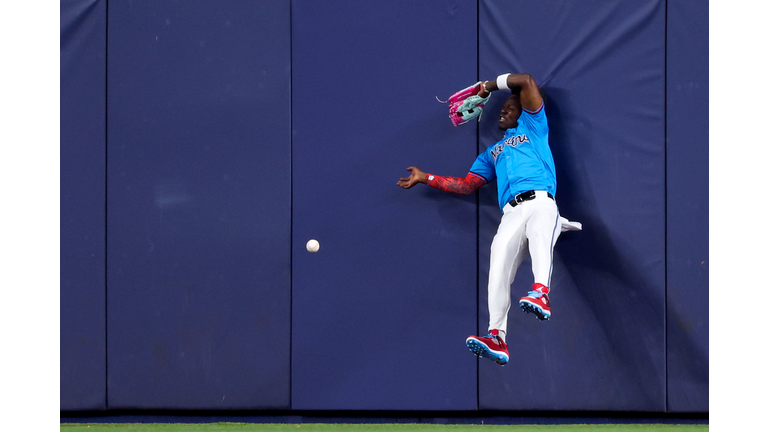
{"x": 313, "y": 245}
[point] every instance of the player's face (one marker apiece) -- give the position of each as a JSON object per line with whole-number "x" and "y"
{"x": 510, "y": 113}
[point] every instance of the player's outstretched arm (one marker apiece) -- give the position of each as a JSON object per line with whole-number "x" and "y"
{"x": 464, "y": 186}
{"x": 530, "y": 97}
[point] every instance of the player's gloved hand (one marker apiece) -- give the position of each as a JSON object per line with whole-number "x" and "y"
{"x": 467, "y": 104}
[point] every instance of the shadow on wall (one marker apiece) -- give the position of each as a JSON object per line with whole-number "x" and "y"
{"x": 624, "y": 301}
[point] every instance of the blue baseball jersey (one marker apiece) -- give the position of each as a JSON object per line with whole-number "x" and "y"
{"x": 522, "y": 160}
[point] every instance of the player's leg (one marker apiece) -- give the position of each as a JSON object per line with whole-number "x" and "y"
{"x": 542, "y": 231}
{"x": 508, "y": 250}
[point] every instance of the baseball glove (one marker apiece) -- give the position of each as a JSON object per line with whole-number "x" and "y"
{"x": 465, "y": 105}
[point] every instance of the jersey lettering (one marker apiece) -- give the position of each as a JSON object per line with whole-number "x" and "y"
{"x": 511, "y": 141}
{"x": 497, "y": 150}
{"x": 517, "y": 139}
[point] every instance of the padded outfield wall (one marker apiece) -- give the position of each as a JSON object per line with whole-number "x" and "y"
{"x": 203, "y": 143}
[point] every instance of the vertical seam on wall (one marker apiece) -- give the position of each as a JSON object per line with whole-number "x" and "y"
{"x": 106, "y": 196}
{"x": 477, "y": 214}
{"x": 666, "y": 219}
{"x": 290, "y": 235}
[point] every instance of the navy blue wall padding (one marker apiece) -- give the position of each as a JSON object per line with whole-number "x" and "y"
{"x": 204, "y": 143}
{"x": 381, "y": 312}
{"x": 688, "y": 206}
{"x": 199, "y": 204}
{"x": 602, "y": 66}
{"x": 82, "y": 132}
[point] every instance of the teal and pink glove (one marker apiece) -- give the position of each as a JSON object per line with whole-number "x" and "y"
{"x": 465, "y": 105}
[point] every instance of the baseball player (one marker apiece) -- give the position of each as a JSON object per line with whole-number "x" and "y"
{"x": 522, "y": 165}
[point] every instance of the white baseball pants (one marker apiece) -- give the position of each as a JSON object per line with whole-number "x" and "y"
{"x": 531, "y": 227}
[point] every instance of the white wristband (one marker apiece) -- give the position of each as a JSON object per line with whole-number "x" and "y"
{"x": 501, "y": 82}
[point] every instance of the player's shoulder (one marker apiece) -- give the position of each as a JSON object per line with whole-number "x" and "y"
{"x": 486, "y": 153}
{"x": 536, "y": 118}
{"x": 537, "y": 112}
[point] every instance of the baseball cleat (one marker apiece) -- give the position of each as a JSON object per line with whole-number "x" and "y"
{"x": 490, "y": 347}
{"x": 537, "y": 302}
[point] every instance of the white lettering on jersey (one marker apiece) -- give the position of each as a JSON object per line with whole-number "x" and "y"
{"x": 511, "y": 141}
{"x": 517, "y": 139}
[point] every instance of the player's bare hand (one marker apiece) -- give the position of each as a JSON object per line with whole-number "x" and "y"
{"x": 417, "y": 176}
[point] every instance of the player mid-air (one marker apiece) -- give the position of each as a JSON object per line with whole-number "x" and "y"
{"x": 522, "y": 165}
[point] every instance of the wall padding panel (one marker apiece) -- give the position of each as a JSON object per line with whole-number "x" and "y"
{"x": 688, "y": 205}
{"x": 199, "y": 205}
{"x": 602, "y": 66}
{"x": 381, "y": 312}
{"x": 82, "y": 335}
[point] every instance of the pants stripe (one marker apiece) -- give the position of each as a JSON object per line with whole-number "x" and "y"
{"x": 552, "y": 248}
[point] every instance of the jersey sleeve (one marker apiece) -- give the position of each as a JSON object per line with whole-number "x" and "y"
{"x": 484, "y": 167}
{"x": 536, "y": 121}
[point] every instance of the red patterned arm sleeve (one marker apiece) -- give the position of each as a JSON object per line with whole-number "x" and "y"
{"x": 471, "y": 183}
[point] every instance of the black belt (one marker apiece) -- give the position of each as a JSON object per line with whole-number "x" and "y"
{"x": 525, "y": 196}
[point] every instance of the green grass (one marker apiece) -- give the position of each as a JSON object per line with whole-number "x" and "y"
{"x": 401, "y": 427}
